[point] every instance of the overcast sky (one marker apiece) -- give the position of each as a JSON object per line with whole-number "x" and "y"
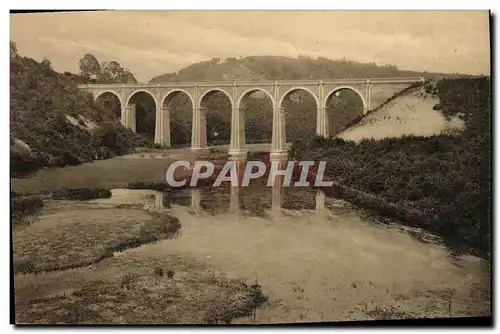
{"x": 150, "y": 43}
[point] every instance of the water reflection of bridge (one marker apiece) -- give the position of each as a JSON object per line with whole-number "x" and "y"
{"x": 237, "y": 199}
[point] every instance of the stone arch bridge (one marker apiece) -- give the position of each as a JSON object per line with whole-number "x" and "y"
{"x": 373, "y": 92}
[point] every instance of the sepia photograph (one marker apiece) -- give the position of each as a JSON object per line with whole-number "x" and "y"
{"x": 251, "y": 167}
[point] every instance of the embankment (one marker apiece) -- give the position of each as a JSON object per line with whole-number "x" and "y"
{"x": 441, "y": 180}
{"x": 411, "y": 113}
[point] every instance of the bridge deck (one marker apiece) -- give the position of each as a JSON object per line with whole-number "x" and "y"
{"x": 259, "y": 82}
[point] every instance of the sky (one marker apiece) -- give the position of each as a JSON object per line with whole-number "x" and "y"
{"x": 151, "y": 43}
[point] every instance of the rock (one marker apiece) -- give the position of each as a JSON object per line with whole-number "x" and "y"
{"x": 20, "y": 146}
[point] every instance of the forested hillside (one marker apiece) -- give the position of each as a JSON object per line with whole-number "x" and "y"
{"x": 445, "y": 178}
{"x": 285, "y": 68}
{"x": 52, "y": 123}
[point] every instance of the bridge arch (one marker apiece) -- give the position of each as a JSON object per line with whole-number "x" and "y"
{"x": 248, "y": 92}
{"x": 172, "y": 93}
{"x": 131, "y": 96}
{"x": 212, "y": 90}
{"x": 340, "y": 110}
{"x": 140, "y": 114}
{"x": 297, "y": 118}
{"x": 176, "y": 115}
{"x": 296, "y": 89}
{"x": 109, "y": 91}
{"x": 337, "y": 89}
{"x": 215, "y": 117}
{"x": 255, "y": 116}
{"x": 111, "y": 101}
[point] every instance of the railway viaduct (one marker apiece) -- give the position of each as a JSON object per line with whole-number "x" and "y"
{"x": 373, "y": 92}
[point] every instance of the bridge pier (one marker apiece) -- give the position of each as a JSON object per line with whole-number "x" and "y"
{"x": 276, "y": 198}
{"x": 158, "y": 116}
{"x": 368, "y": 93}
{"x": 322, "y": 122}
{"x": 196, "y": 200}
{"x": 130, "y": 117}
{"x": 162, "y": 127}
{"x": 278, "y": 149}
{"x": 123, "y": 117}
{"x": 199, "y": 130}
{"x": 237, "y": 144}
{"x": 320, "y": 200}
{"x": 234, "y": 204}
{"x": 326, "y": 123}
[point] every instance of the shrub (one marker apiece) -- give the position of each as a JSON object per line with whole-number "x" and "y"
{"x": 23, "y": 164}
{"x": 129, "y": 280}
{"x": 159, "y": 186}
{"x": 80, "y": 194}
{"x": 22, "y": 207}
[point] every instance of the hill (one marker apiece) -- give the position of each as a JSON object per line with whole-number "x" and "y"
{"x": 285, "y": 68}
{"x": 52, "y": 123}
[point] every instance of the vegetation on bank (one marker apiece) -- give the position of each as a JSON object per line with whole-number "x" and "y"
{"x": 158, "y": 185}
{"x": 80, "y": 194}
{"x": 446, "y": 179}
{"x": 55, "y": 121}
{"x": 22, "y": 207}
{"x": 75, "y": 238}
{"x": 138, "y": 295}
{"x": 109, "y": 174}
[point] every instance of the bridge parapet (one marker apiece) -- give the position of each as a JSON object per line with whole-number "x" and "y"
{"x": 255, "y": 83}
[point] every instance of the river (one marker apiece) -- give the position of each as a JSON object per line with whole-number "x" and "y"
{"x": 317, "y": 258}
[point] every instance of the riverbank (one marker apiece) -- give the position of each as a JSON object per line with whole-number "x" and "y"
{"x": 70, "y": 269}
{"x": 130, "y": 290}
{"x": 380, "y": 207}
{"x": 112, "y": 173}
{"x": 441, "y": 181}
{"x": 76, "y": 236}
{"x": 315, "y": 266}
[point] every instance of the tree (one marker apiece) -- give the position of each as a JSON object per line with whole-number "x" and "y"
{"x": 128, "y": 77}
{"x": 89, "y": 65}
{"x": 13, "y": 50}
{"x": 46, "y": 64}
{"x": 115, "y": 73}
